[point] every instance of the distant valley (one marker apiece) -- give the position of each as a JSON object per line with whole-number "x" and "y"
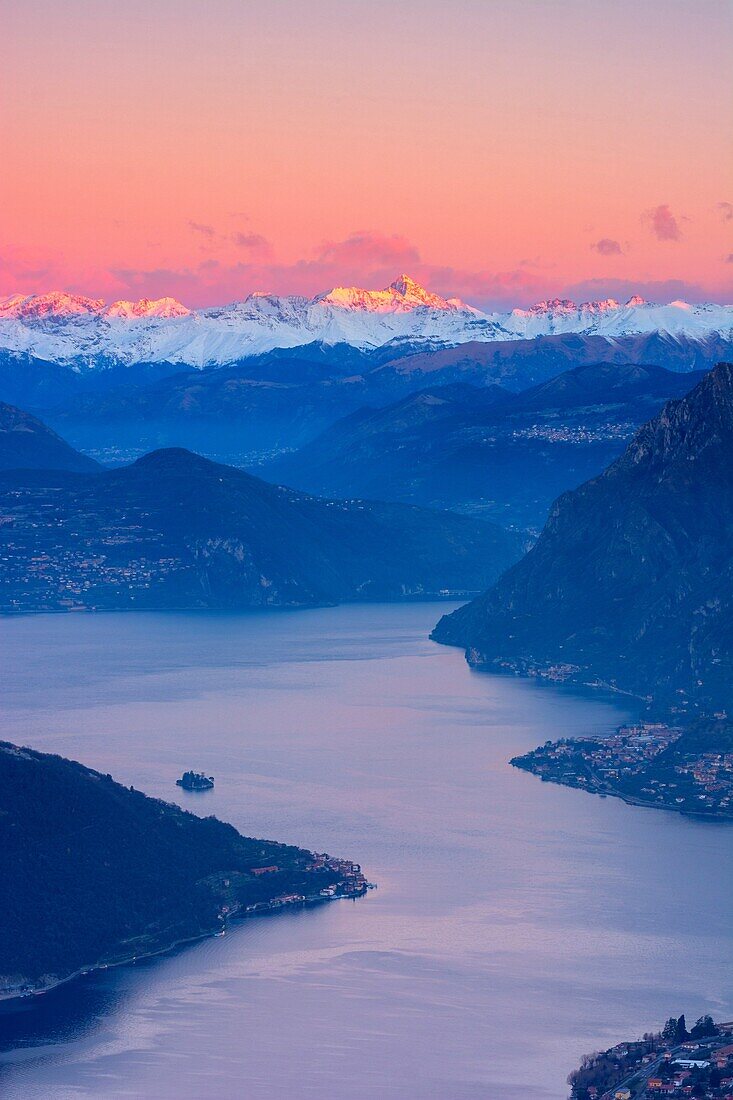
{"x": 247, "y": 412}
{"x": 485, "y": 450}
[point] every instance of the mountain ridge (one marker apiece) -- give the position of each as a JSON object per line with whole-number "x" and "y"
{"x": 68, "y": 328}
{"x": 484, "y": 450}
{"x": 176, "y": 530}
{"x": 631, "y": 580}
{"x": 27, "y": 443}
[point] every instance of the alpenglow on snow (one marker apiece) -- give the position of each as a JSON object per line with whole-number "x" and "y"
{"x": 81, "y": 332}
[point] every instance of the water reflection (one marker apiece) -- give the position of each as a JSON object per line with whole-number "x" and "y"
{"x": 64, "y": 1014}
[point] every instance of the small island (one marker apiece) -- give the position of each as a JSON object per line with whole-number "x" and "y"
{"x": 688, "y": 769}
{"x": 102, "y": 874}
{"x": 673, "y": 1062}
{"x": 195, "y": 781}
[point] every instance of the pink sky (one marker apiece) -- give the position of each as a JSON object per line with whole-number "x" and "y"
{"x": 502, "y": 151}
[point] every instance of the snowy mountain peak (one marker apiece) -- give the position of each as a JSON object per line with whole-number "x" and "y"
{"x": 415, "y": 295}
{"x": 9, "y": 304}
{"x": 55, "y": 304}
{"x": 146, "y": 307}
{"x": 82, "y": 332}
{"x": 401, "y": 295}
{"x": 551, "y": 305}
{"x": 565, "y": 307}
{"x": 406, "y": 285}
{"x": 604, "y": 306}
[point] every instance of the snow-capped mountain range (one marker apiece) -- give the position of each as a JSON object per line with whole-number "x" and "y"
{"x": 83, "y": 332}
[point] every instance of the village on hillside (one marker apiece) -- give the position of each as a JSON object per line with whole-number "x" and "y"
{"x": 674, "y": 1063}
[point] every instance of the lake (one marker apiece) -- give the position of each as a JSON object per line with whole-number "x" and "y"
{"x": 516, "y": 924}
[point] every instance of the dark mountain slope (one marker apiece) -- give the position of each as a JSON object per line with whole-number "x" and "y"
{"x": 100, "y": 873}
{"x": 26, "y": 443}
{"x": 176, "y": 530}
{"x": 470, "y": 448}
{"x": 632, "y": 578}
{"x": 630, "y": 387}
{"x": 518, "y": 364}
{"x": 36, "y": 384}
{"x": 363, "y": 448}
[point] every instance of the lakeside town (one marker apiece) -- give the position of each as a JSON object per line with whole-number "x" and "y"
{"x": 674, "y": 1063}
{"x": 646, "y": 764}
{"x": 351, "y": 883}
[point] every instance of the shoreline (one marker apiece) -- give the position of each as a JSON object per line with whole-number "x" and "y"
{"x": 424, "y": 597}
{"x": 267, "y": 910}
{"x": 525, "y": 761}
{"x": 629, "y": 799}
{"x": 515, "y": 672}
{"x": 682, "y": 772}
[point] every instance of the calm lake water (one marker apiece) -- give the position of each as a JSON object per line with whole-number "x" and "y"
{"x": 516, "y": 925}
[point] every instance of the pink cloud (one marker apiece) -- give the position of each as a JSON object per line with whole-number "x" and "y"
{"x": 253, "y": 243}
{"x": 236, "y": 265}
{"x": 654, "y": 290}
{"x": 490, "y": 290}
{"x": 607, "y": 247}
{"x": 23, "y": 272}
{"x": 367, "y": 250}
{"x": 369, "y": 263}
{"x": 663, "y": 224}
{"x": 204, "y": 230}
{"x": 726, "y": 211}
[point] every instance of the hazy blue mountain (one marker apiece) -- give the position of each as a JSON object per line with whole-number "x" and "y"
{"x": 176, "y": 530}
{"x": 631, "y": 581}
{"x": 519, "y": 364}
{"x": 27, "y": 443}
{"x": 470, "y": 448}
{"x": 224, "y": 413}
{"x": 279, "y": 400}
{"x": 595, "y": 389}
{"x": 40, "y": 385}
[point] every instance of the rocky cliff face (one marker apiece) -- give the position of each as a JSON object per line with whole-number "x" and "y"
{"x": 631, "y": 581}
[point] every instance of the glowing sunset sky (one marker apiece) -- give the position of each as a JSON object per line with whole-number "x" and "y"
{"x": 501, "y": 150}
